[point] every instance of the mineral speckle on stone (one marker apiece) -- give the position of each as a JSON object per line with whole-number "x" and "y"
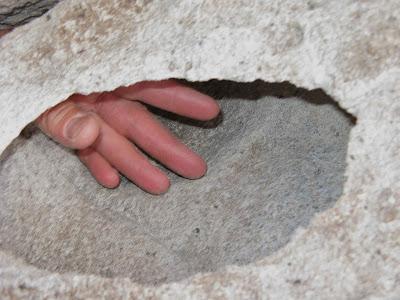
{"x": 347, "y": 48}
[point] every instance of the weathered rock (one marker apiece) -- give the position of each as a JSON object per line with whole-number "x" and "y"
{"x": 350, "y": 49}
{"x": 18, "y": 12}
{"x": 268, "y": 174}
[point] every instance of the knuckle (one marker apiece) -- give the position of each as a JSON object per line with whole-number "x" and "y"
{"x": 54, "y": 119}
{"x": 105, "y": 102}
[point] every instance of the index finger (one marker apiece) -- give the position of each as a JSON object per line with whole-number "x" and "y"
{"x": 172, "y": 96}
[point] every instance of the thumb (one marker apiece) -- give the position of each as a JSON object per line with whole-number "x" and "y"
{"x": 69, "y": 125}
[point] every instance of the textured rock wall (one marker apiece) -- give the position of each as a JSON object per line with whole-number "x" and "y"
{"x": 273, "y": 163}
{"x": 17, "y": 12}
{"x": 348, "y": 48}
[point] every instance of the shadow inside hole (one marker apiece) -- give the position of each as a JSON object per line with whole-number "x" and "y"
{"x": 273, "y": 163}
{"x": 227, "y": 89}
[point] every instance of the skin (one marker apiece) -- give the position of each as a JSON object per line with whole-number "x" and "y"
{"x": 110, "y": 130}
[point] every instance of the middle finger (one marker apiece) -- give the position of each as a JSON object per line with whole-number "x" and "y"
{"x": 134, "y": 121}
{"x": 127, "y": 159}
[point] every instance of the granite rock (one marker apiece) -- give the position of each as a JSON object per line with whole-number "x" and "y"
{"x": 350, "y": 49}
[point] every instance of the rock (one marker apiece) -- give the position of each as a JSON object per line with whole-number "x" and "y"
{"x": 18, "y": 12}
{"x": 349, "y": 49}
{"x": 268, "y": 174}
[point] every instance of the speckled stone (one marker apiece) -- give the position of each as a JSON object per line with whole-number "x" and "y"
{"x": 350, "y": 49}
{"x": 17, "y": 12}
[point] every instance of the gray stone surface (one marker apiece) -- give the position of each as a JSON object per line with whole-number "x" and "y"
{"x": 273, "y": 163}
{"x": 348, "y": 48}
{"x": 18, "y": 12}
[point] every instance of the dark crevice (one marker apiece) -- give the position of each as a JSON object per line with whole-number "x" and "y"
{"x": 220, "y": 89}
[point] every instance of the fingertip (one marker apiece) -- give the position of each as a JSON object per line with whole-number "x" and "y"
{"x": 210, "y": 110}
{"x": 214, "y": 110}
{"x": 152, "y": 180}
{"x": 162, "y": 186}
{"x": 111, "y": 180}
{"x": 191, "y": 166}
{"x": 197, "y": 169}
{"x": 202, "y": 170}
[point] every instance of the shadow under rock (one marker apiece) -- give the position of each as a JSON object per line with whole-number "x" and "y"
{"x": 227, "y": 89}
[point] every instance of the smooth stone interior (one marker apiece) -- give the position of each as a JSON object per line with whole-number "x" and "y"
{"x": 273, "y": 163}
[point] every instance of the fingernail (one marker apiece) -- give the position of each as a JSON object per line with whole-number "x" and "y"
{"x": 75, "y": 126}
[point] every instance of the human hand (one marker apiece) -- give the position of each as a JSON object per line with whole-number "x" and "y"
{"x": 101, "y": 126}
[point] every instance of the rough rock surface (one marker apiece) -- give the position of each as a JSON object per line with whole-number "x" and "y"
{"x": 18, "y": 12}
{"x": 348, "y": 48}
{"x": 273, "y": 163}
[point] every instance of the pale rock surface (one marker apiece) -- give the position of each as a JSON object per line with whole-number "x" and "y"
{"x": 348, "y": 48}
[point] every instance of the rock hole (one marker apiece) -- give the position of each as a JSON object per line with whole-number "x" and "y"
{"x": 276, "y": 157}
